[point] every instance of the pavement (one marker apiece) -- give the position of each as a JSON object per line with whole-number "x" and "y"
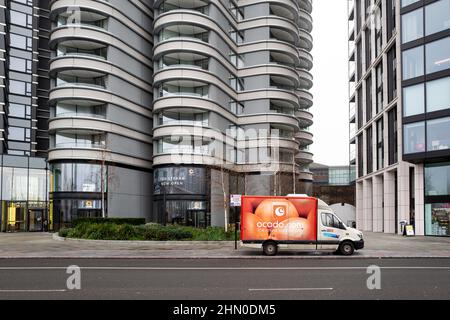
{"x": 224, "y": 279}
{"x": 47, "y": 245}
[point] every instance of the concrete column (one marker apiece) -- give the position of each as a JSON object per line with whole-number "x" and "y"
{"x": 389, "y": 202}
{"x": 419, "y": 195}
{"x": 359, "y": 205}
{"x": 368, "y": 205}
{"x": 403, "y": 193}
{"x": 378, "y": 203}
{"x": 217, "y": 199}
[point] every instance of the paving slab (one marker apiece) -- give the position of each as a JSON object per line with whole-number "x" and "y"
{"x": 47, "y": 245}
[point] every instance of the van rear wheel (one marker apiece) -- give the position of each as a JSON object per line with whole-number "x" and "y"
{"x": 270, "y": 248}
{"x": 347, "y": 248}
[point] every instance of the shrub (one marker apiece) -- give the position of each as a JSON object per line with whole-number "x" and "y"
{"x": 153, "y": 232}
{"x": 126, "y": 232}
{"x": 101, "y": 231}
{"x": 119, "y": 221}
{"x": 165, "y": 233}
{"x": 63, "y": 232}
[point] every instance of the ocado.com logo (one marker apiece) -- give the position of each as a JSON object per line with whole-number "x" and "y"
{"x": 280, "y": 211}
{"x": 270, "y": 225}
{"x": 279, "y": 225}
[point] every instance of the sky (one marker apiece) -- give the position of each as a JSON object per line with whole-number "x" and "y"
{"x": 331, "y": 127}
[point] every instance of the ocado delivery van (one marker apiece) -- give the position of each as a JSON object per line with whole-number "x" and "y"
{"x": 295, "y": 222}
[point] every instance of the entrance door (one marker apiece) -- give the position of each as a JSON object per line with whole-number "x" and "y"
{"x": 36, "y": 220}
{"x": 197, "y": 219}
{"x": 15, "y": 217}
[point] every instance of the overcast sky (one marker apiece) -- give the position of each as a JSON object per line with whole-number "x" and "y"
{"x": 330, "y": 89}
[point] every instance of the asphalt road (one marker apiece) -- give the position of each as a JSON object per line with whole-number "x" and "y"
{"x": 225, "y": 279}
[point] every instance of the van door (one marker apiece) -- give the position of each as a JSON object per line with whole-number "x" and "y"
{"x": 330, "y": 231}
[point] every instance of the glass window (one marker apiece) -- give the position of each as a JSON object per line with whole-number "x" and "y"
{"x": 37, "y": 185}
{"x": 17, "y": 87}
{"x": 438, "y": 55}
{"x": 413, "y": 65}
{"x": 437, "y": 217}
{"x": 414, "y": 100}
{"x": 437, "y": 16}
{"x": 414, "y": 137}
{"x": 437, "y": 179}
{"x": 62, "y": 177}
{"x": 16, "y": 133}
{"x": 17, "y": 64}
{"x": 17, "y": 110}
{"x": 14, "y": 184}
{"x": 438, "y": 134}
{"x": 18, "y": 41}
{"x": 87, "y": 177}
{"x": 80, "y": 177}
{"x": 18, "y": 18}
{"x": 438, "y": 94}
{"x": 412, "y": 25}
{"x": 408, "y": 2}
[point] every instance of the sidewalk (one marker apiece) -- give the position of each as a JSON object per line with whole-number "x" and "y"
{"x": 46, "y": 245}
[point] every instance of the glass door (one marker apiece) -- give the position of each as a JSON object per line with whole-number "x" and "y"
{"x": 36, "y": 220}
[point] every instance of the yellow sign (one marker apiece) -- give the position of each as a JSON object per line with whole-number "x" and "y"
{"x": 410, "y": 230}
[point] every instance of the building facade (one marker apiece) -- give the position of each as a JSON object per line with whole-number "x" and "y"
{"x": 24, "y": 113}
{"x": 231, "y": 98}
{"x": 399, "y": 114}
{"x": 334, "y": 184}
{"x": 155, "y": 109}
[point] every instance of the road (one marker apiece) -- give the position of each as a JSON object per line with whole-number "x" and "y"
{"x": 235, "y": 279}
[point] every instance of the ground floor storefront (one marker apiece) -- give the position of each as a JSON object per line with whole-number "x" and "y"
{"x": 417, "y": 195}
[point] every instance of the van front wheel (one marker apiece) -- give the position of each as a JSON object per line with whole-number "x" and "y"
{"x": 270, "y": 248}
{"x": 347, "y": 248}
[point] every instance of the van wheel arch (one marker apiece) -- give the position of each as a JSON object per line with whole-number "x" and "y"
{"x": 270, "y": 248}
{"x": 346, "y": 248}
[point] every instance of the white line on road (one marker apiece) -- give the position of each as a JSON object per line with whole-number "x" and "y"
{"x": 293, "y": 289}
{"x": 31, "y": 291}
{"x": 222, "y": 268}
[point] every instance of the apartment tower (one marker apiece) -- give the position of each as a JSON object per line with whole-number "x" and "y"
{"x": 152, "y": 109}
{"x": 400, "y": 114}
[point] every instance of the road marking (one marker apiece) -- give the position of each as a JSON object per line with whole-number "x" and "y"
{"x": 293, "y": 289}
{"x": 31, "y": 291}
{"x": 222, "y": 268}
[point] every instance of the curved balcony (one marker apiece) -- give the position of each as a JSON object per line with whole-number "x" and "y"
{"x": 305, "y": 175}
{"x": 84, "y": 67}
{"x": 75, "y": 124}
{"x": 306, "y": 21}
{"x": 165, "y": 6}
{"x": 103, "y": 38}
{"x": 285, "y": 9}
{"x": 304, "y": 137}
{"x": 69, "y": 94}
{"x": 96, "y": 155}
{"x": 92, "y": 13}
{"x": 306, "y": 99}
{"x": 306, "y": 40}
{"x": 304, "y": 157}
{"x": 305, "y": 118}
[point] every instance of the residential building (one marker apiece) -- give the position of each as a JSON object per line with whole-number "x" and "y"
{"x": 156, "y": 109}
{"x": 399, "y": 114}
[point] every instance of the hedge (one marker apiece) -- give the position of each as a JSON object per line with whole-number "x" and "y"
{"x": 155, "y": 232}
{"x": 130, "y": 221}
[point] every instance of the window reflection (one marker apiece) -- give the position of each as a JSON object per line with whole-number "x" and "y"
{"x": 414, "y": 136}
{"x": 77, "y": 177}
